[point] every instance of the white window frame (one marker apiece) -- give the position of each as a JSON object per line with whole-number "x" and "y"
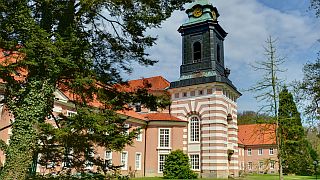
{"x": 250, "y": 165}
{"x": 89, "y": 164}
{"x": 159, "y": 162}
{"x": 260, "y": 151}
{"x": 138, "y": 161}
{"x": 139, "y": 136}
{"x": 169, "y": 139}
{"x": 249, "y": 154}
{"x": 272, "y": 164}
{"x": 261, "y": 165}
{"x": 127, "y": 130}
{"x": 70, "y": 113}
{"x": 271, "y": 151}
{"x": 195, "y": 134}
{"x": 109, "y": 159}
{"x": 124, "y": 162}
{"x": 193, "y": 164}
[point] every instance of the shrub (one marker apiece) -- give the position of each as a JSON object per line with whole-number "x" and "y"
{"x": 177, "y": 166}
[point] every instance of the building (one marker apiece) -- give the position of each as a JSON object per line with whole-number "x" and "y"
{"x": 202, "y": 120}
{"x": 257, "y": 149}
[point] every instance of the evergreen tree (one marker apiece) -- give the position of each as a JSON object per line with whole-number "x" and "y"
{"x": 296, "y": 150}
{"x": 82, "y": 47}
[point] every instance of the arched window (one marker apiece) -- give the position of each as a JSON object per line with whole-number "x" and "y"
{"x": 194, "y": 129}
{"x": 196, "y": 52}
{"x": 218, "y": 53}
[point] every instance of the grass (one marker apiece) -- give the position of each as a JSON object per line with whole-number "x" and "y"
{"x": 251, "y": 177}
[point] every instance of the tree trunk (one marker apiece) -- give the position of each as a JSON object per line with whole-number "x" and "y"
{"x": 32, "y": 107}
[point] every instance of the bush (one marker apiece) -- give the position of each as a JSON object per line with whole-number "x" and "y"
{"x": 177, "y": 166}
{"x": 83, "y": 176}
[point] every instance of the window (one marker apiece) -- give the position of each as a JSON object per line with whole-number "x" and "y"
{"x": 249, "y": 152}
{"x": 71, "y": 113}
{"x": 260, "y": 165}
{"x": 200, "y": 92}
{"x": 162, "y": 158}
{"x": 124, "y": 160}
{"x": 192, "y": 93}
{"x": 271, "y": 151}
{"x": 260, "y": 151}
{"x": 127, "y": 127}
{"x": 138, "y": 161}
{"x": 88, "y": 163}
{"x": 139, "y": 137}
{"x": 138, "y": 107}
{"x": 108, "y": 159}
{"x": 196, "y": 52}
{"x": 272, "y": 163}
{"x": 164, "y": 138}
{"x": 194, "y": 129}
{"x": 250, "y": 165}
{"x": 194, "y": 160}
{"x": 218, "y": 53}
{"x": 176, "y": 95}
{"x": 67, "y": 158}
{"x": 184, "y": 94}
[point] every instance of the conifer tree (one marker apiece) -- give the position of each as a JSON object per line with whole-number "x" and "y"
{"x": 295, "y": 147}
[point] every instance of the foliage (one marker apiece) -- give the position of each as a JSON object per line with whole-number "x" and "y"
{"x": 308, "y": 91}
{"x": 177, "y": 166}
{"x": 267, "y": 89}
{"x": 298, "y": 155}
{"x": 251, "y": 117}
{"x": 80, "y": 47}
{"x": 316, "y": 5}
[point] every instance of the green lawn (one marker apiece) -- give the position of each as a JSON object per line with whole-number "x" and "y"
{"x": 253, "y": 177}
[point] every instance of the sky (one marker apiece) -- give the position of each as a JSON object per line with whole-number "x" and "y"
{"x": 248, "y": 23}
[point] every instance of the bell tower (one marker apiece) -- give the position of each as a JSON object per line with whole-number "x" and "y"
{"x": 204, "y": 95}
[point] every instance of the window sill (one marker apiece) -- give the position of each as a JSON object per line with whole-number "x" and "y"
{"x": 164, "y": 148}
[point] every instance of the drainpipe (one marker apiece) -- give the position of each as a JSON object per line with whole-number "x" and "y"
{"x": 145, "y": 149}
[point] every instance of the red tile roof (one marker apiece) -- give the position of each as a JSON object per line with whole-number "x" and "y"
{"x": 156, "y": 83}
{"x": 162, "y": 117}
{"x": 150, "y": 116}
{"x": 257, "y": 134}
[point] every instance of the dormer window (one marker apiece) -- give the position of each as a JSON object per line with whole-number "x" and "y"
{"x": 196, "y": 52}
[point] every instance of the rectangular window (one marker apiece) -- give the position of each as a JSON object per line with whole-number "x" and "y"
{"x": 127, "y": 127}
{"x": 162, "y": 158}
{"x": 260, "y": 151}
{"x": 249, "y": 152}
{"x": 260, "y": 165}
{"x": 88, "y": 163}
{"x": 176, "y": 95}
{"x": 271, "y": 151}
{"x": 108, "y": 159}
{"x": 71, "y": 113}
{"x": 124, "y": 160}
{"x": 195, "y": 163}
{"x": 139, "y": 136}
{"x": 272, "y": 163}
{"x": 138, "y": 161}
{"x": 194, "y": 129}
{"x": 164, "y": 137}
{"x": 250, "y": 165}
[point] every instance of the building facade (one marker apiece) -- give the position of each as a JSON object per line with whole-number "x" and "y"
{"x": 201, "y": 121}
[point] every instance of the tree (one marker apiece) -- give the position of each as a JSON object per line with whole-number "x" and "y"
{"x": 251, "y": 117}
{"x": 308, "y": 91}
{"x": 267, "y": 89}
{"x": 176, "y": 166}
{"x": 80, "y": 46}
{"x": 296, "y": 150}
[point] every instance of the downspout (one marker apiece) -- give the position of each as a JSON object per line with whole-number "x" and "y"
{"x": 145, "y": 149}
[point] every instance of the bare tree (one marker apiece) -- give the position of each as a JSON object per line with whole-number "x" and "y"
{"x": 267, "y": 88}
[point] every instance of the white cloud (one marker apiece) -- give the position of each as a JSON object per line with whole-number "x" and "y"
{"x": 248, "y": 23}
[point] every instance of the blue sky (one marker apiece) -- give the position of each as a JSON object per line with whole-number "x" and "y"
{"x": 249, "y": 23}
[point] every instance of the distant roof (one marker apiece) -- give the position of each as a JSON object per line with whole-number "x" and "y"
{"x": 257, "y": 134}
{"x": 156, "y": 116}
{"x": 156, "y": 83}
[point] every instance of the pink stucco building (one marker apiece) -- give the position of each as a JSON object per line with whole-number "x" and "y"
{"x": 201, "y": 121}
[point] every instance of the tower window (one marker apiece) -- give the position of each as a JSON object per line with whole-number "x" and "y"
{"x": 194, "y": 129}
{"x": 196, "y": 52}
{"x": 218, "y": 53}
